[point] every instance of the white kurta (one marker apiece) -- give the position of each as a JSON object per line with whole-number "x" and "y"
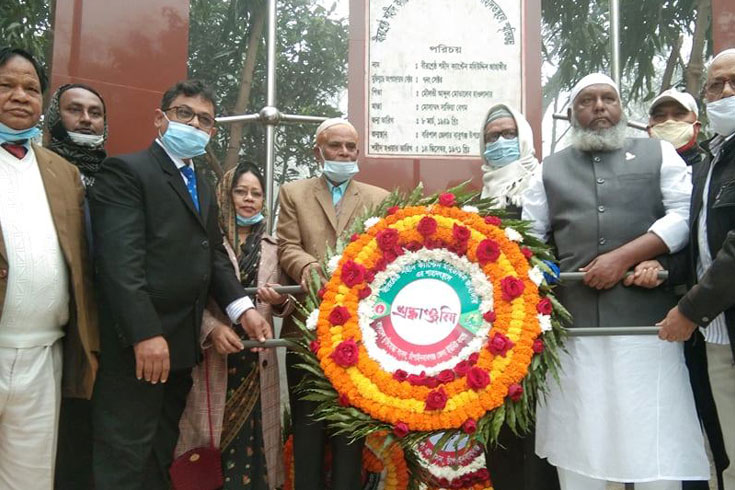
{"x": 624, "y": 410}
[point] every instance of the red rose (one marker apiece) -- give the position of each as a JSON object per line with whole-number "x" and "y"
{"x": 369, "y": 276}
{"x": 500, "y": 344}
{"x": 489, "y": 316}
{"x": 433, "y": 244}
{"x": 515, "y": 392}
{"x": 400, "y": 375}
{"x": 352, "y": 273}
{"x": 538, "y": 346}
{"x": 446, "y": 376}
{"x": 431, "y": 382}
{"x": 477, "y": 378}
{"x": 512, "y": 287}
{"x": 345, "y": 354}
{"x": 321, "y": 292}
{"x": 545, "y": 307}
{"x": 417, "y": 379}
{"x": 400, "y": 429}
{"x": 461, "y": 368}
{"x": 364, "y": 292}
{"x": 436, "y": 400}
{"x": 447, "y": 199}
{"x": 392, "y": 210}
{"x": 414, "y": 246}
{"x": 426, "y": 226}
{"x": 483, "y": 474}
{"x": 473, "y": 358}
{"x": 469, "y": 426}
{"x": 443, "y": 482}
{"x": 493, "y": 220}
{"x": 461, "y": 233}
{"x": 457, "y": 484}
{"x": 526, "y": 252}
{"x": 387, "y": 239}
{"x": 344, "y": 400}
{"x": 339, "y": 315}
{"x": 314, "y": 346}
{"x": 487, "y": 251}
{"x": 398, "y": 250}
{"x": 354, "y": 237}
{"x": 459, "y": 248}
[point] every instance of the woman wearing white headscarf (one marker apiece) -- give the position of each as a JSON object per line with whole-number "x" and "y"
{"x": 510, "y": 160}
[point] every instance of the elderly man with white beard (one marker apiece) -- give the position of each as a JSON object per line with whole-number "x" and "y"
{"x": 623, "y": 408}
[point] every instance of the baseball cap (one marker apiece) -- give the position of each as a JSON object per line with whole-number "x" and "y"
{"x": 682, "y": 98}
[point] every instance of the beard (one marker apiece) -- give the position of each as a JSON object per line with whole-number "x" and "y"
{"x": 606, "y": 139}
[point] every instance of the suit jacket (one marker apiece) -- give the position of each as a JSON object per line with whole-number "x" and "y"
{"x": 713, "y": 293}
{"x": 308, "y": 222}
{"x": 157, "y": 257}
{"x": 66, "y": 200}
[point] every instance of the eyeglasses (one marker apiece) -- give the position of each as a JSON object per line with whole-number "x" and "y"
{"x": 715, "y": 87}
{"x": 184, "y": 113}
{"x": 507, "y": 134}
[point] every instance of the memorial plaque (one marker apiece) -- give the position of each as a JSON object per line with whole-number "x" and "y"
{"x": 434, "y": 67}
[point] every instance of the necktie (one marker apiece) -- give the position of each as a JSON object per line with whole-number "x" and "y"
{"x": 191, "y": 184}
{"x": 18, "y": 151}
{"x": 337, "y": 194}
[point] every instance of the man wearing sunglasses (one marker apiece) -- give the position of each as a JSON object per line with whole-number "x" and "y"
{"x": 159, "y": 256}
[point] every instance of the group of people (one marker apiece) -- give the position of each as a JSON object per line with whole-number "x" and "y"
{"x": 123, "y": 308}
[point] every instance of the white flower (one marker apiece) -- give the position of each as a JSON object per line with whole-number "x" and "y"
{"x": 371, "y": 221}
{"x": 544, "y": 321}
{"x": 513, "y": 235}
{"x": 536, "y": 275}
{"x": 470, "y": 209}
{"x": 312, "y": 319}
{"x": 333, "y": 263}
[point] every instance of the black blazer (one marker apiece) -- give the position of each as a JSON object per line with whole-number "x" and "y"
{"x": 157, "y": 259}
{"x": 714, "y": 293}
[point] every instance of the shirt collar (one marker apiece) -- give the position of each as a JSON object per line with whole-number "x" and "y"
{"x": 177, "y": 161}
{"x": 342, "y": 186}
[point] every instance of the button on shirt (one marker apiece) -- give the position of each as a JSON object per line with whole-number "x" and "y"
{"x": 716, "y": 331}
{"x": 241, "y": 305}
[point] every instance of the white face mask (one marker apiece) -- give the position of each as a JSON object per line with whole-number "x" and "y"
{"x": 722, "y": 115}
{"x": 339, "y": 172}
{"x": 91, "y": 140}
{"x": 678, "y": 133}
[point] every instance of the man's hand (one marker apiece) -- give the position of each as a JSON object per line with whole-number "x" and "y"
{"x": 268, "y": 295}
{"x": 225, "y": 340}
{"x": 256, "y": 327}
{"x": 306, "y": 275}
{"x": 676, "y": 327}
{"x": 605, "y": 271}
{"x": 152, "y": 360}
{"x": 645, "y": 275}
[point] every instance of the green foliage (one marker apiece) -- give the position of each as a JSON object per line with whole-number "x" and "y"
{"x": 26, "y": 24}
{"x": 311, "y": 73}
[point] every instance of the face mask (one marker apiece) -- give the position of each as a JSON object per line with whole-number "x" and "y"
{"x": 339, "y": 172}
{"x": 678, "y": 133}
{"x": 722, "y": 116}
{"x": 184, "y": 141}
{"x": 8, "y": 134}
{"x": 502, "y": 152}
{"x": 253, "y": 220}
{"x": 90, "y": 140}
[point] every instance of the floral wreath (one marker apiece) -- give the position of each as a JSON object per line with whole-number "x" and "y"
{"x": 508, "y": 327}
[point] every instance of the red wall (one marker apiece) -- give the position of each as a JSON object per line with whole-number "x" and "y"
{"x": 723, "y": 24}
{"x": 131, "y": 51}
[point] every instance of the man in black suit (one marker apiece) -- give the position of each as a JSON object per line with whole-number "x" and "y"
{"x": 159, "y": 256}
{"x": 710, "y": 302}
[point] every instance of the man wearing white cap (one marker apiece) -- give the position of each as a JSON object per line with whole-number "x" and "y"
{"x": 673, "y": 117}
{"x": 710, "y": 303}
{"x": 623, "y": 408}
{"x": 313, "y": 213}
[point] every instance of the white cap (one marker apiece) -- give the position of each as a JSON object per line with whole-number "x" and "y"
{"x": 334, "y": 121}
{"x": 722, "y": 53}
{"x": 592, "y": 79}
{"x": 682, "y": 98}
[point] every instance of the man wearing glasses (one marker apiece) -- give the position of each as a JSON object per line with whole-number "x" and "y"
{"x": 710, "y": 303}
{"x": 159, "y": 256}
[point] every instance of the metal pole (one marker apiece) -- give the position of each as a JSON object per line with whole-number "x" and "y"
{"x": 615, "y": 40}
{"x": 295, "y": 118}
{"x": 270, "y": 143}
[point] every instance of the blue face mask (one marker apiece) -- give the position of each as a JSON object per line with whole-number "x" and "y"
{"x": 253, "y": 220}
{"x": 9, "y": 135}
{"x": 502, "y": 152}
{"x": 184, "y": 141}
{"x": 339, "y": 172}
